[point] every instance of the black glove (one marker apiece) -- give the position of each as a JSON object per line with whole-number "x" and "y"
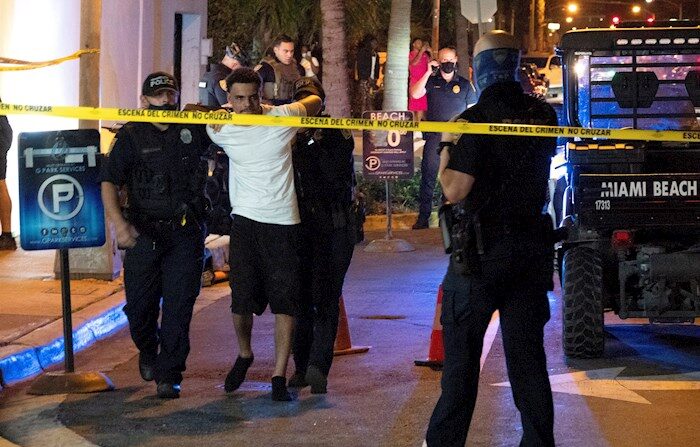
{"x": 306, "y": 86}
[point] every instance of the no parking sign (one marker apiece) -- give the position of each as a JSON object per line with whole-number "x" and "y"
{"x": 59, "y": 188}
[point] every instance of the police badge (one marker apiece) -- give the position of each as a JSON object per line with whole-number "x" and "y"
{"x": 185, "y": 136}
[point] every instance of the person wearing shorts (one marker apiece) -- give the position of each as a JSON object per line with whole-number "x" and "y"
{"x": 7, "y": 242}
{"x": 265, "y": 240}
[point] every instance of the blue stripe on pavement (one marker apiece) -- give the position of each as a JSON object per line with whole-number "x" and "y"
{"x": 34, "y": 360}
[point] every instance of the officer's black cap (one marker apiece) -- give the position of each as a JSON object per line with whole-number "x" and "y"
{"x": 160, "y": 80}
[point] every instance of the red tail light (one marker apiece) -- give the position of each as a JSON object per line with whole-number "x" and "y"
{"x": 621, "y": 239}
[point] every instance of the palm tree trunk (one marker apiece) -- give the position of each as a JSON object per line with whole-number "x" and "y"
{"x": 396, "y": 69}
{"x": 462, "y": 40}
{"x": 541, "y": 26}
{"x": 335, "y": 71}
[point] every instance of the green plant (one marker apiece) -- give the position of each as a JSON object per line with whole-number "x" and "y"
{"x": 404, "y": 194}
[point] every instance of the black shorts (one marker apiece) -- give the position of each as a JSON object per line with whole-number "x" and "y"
{"x": 265, "y": 267}
{"x": 3, "y": 165}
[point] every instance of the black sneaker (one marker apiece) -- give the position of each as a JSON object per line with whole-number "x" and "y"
{"x": 166, "y": 390}
{"x": 420, "y": 225}
{"x": 236, "y": 376}
{"x": 297, "y": 380}
{"x": 279, "y": 390}
{"x": 146, "y": 366}
{"x": 7, "y": 242}
{"x": 317, "y": 380}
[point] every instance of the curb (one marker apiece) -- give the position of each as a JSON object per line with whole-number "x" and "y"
{"x": 399, "y": 221}
{"x": 32, "y": 354}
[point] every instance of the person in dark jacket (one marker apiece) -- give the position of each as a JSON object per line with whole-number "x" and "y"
{"x": 366, "y": 75}
{"x": 324, "y": 181}
{"x": 163, "y": 169}
{"x": 502, "y": 250}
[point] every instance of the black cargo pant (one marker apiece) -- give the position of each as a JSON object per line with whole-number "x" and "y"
{"x": 166, "y": 263}
{"x": 514, "y": 278}
{"x": 326, "y": 252}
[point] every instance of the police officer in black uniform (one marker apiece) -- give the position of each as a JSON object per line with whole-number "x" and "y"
{"x": 324, "y": 181}
{"x": 211, "y": 93}
{"x": 163, "y": 171}
{"x": 501, "y": 250}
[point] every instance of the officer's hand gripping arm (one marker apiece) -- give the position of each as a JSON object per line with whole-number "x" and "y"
{"x": 312, "y": 104}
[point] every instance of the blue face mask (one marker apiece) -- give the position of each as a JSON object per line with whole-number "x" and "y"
{"x": 497, "y": 65}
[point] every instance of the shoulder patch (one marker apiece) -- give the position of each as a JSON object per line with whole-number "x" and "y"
{"x": 347, "y": 133}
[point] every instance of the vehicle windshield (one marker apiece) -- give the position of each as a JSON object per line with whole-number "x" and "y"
{"x": 669, "y": 108}
{"x": 541, "y": 62}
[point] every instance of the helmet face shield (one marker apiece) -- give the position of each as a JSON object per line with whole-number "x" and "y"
{"x": 498, "y": 65}
{"x": 496, "y": 59}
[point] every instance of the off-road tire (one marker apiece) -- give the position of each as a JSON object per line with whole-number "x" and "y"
{"x": 582, "y": 292}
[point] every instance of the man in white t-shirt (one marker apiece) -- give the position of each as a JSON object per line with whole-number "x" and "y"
{"x": 264, "y": 258}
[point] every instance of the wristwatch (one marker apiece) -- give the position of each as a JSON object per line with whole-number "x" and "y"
{"x": 443, "y": 145}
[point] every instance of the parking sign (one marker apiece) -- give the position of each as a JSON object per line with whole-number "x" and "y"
{"x": 387, "y": 154}
{"x": 60, "y": 200}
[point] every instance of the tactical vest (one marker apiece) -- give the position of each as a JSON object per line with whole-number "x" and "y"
{"x": 285, "y": 76}
{"x": 323, "y": 166}
{"x": 514, "y": 171}
{"x": 168, "y": 179}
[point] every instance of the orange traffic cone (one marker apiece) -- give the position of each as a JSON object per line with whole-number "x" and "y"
{"x": 343, "y": 345}
{"x": 436, "y": 351}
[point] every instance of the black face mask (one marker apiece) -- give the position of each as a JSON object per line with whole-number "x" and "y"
{"x": 163, "y": 107}
{"x": 447, "y": 67}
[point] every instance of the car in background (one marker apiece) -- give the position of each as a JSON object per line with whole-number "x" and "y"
{"x": 550, "y": 66}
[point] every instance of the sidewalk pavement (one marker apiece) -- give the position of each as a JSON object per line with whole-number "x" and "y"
{"x": 31, "y": 324}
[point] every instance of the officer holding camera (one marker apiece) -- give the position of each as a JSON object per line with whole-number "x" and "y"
{"x": 448, "y": 95}
{"x": 324, "y": 181}
{"x": 163, "y": 171}
{"x": 502, "y": 253}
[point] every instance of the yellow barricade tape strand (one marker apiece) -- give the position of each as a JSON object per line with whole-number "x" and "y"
{"x": 33, "y": 65}
{"x": 223, "y": 117}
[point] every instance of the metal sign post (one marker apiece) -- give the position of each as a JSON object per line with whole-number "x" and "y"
{"x": 61, "y": 208}
{"x": 388, "y": 155}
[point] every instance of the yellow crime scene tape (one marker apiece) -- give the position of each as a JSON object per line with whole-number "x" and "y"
{"x": 224, "y": 117}
{"x": 18, "y": 65}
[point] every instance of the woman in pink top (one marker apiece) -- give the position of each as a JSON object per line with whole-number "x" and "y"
{"x": 417, "y": 66}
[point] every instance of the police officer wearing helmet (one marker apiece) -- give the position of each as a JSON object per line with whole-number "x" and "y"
{"x": 211, "y": 91}
{"x": 162, "y": 170}
{"x": 324, "y": 181}
{"x": 501, "y": 250}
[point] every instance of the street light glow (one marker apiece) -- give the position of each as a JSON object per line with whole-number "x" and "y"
{"x": 636, "y": 9}
{"x": 569, "y": 19}
{"x": 572, "y": 8}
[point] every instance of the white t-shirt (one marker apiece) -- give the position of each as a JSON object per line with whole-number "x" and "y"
{"x": 260, "y": 173}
